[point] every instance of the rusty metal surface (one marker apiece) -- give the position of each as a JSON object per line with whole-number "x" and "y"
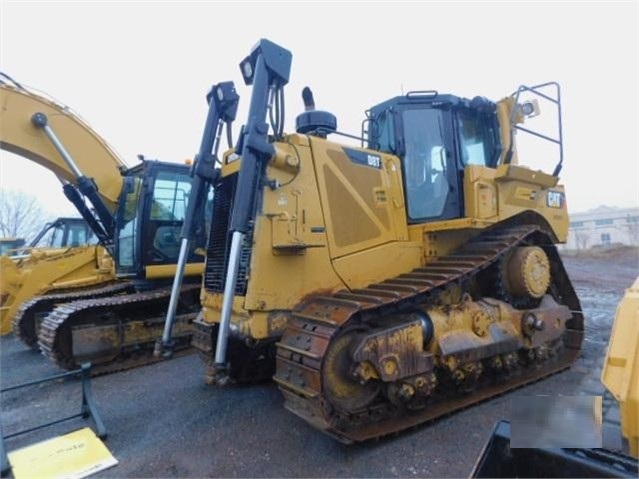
{"x": 317, "y": 325}
{"x": 117, "y": 332}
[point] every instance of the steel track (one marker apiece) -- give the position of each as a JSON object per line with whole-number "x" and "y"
{"x": 129, "y": 324}
{"x": 316, "y": 325}
{"x": 25, "y": 320}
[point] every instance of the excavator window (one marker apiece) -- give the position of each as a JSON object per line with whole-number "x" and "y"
{"x": 170, "y": 196}
{"x": 128, "y": 212}
{"x": 80, "y": 235}
{"x": 151, "y": 214}
{"x": 54, "y": 238}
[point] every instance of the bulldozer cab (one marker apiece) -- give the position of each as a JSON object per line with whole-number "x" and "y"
{"x": 150, "y": 216}
{"x": 436, "y": 137}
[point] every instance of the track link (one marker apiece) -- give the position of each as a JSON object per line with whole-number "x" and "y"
{"x": 117, "y": 332}
{"x": 316, "y": 325}
{"x": 25, "y": 321}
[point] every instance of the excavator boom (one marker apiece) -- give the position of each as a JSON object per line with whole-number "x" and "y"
{"x": 93, "y": 156}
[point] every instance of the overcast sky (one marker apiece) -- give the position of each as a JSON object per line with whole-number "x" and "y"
{"x": 138, "y": 72}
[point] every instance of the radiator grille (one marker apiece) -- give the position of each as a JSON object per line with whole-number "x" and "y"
{"x": 218, "y": 249}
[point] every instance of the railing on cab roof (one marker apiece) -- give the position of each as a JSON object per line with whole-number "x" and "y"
{"x": 554, "y": 97}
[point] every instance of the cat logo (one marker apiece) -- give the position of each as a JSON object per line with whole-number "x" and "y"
{"x": 555, "y": 199}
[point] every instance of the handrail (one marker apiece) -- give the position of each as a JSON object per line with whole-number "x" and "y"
{"x": 556, "y": 99}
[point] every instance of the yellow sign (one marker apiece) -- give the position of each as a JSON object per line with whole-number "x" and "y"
{"x": 74, "y": 455}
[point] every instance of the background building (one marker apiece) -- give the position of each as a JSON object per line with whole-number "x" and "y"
{"x": 603, "y": 226}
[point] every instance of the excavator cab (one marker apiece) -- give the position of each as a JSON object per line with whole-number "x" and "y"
{"x": 64, "y": 232}
{"x": 436, "y": 137}
{"x": 155, "y": 196}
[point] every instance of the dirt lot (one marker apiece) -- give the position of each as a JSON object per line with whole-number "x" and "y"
{"x": 163, "y": 421}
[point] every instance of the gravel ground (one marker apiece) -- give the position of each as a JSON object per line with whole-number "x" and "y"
{"x": 163, "y": 421}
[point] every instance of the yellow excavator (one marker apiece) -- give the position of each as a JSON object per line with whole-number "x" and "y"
{"x": 62, "y": 255}
{"x": 136, "y": 213}
{"x": 395, "y": 276}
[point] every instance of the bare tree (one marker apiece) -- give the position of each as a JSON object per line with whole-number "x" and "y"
{"x": 21, "y": 215}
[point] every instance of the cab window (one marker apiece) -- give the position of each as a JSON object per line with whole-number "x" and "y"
{"x": 475, "y": 139}
{"x": 168, "y": 208}
{"x": 127, "y": 235}
{"x": 383, "y": 133}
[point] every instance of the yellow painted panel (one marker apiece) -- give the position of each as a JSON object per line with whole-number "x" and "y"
{"x": 498, "y": 194}
{"x": 620, "y": 374}
{"x": 358, "y": 270}
{"x": 168, "y": 270}
{"x": 362, "y": 204}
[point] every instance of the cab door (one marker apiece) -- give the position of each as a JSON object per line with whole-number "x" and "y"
{"x": 432, "y": 179}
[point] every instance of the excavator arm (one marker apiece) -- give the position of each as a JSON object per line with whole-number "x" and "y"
{"x": 51, "y": 135}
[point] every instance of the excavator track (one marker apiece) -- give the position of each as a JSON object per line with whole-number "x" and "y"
{"x": 117, "y": 332}
{"x": 318, "y": 326}
{"x": 27, "y": 318}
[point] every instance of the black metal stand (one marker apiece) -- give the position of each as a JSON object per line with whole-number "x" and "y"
{"x": 88, "y": 410}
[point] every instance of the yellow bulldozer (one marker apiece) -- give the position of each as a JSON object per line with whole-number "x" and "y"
{"x": 395, "y": 276}
{"x": 62, "y": 256}
{"x": 136, "y": 213}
